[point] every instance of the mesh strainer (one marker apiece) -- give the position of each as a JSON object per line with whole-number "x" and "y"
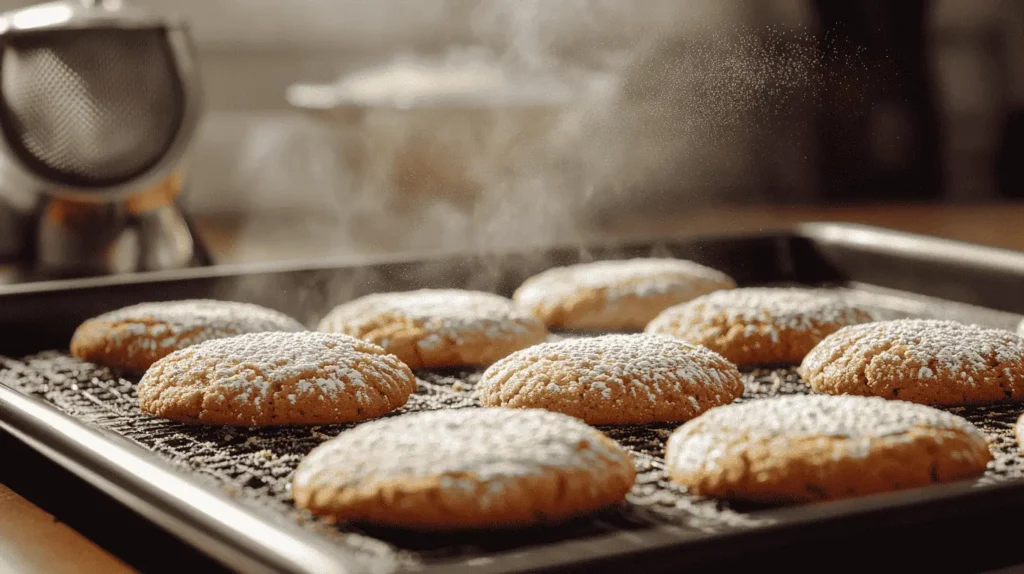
{"x": 95, "y": 98}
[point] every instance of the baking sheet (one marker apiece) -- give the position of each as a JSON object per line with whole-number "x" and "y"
{"x": 255, "y": 465}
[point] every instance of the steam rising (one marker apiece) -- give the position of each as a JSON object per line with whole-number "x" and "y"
{"x": 680, "y": 97}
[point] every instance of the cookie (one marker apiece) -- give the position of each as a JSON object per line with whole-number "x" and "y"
{"x": 465, "y": 468}
{"x": 921, "y": 361}
{"x": 432, "y": 328}
{"x": 814, "y": 447}
{"x": 621, "y": 295}
{"x": 757, "y": 325}
{"x": 613, "y": 379}
{"x": 279, "y": 378}
{"x": 133, "y": 338}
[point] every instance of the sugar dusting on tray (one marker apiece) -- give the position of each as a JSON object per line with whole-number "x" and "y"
{"x": 256, "y": 465}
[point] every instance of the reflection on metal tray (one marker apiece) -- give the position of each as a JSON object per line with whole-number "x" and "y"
{"x": 185, "y": 486}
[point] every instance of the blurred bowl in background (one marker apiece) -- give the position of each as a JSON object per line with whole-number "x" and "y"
{"x": 452, "y": 129}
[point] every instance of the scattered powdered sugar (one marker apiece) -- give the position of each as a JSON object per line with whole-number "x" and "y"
{"x": 181, "y": 323}
{"x": 637, "y": 364}
{"x": 790, "y": 309}
{"x": 834, "y": 416}
{"x": 606, "y": 391}
{"x": 948, "y": 347}
{"x": 481, "y": 445}
{"x": 258, "y": 364}
{"x": 449, "y": 314}
{"x": 640, "y": 277}
{"x": 219, "y": 457}
{"x": 859, "y": 419}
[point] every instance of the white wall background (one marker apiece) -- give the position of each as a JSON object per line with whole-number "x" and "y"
{"x": 252, "y": 145}
{"x": 255, "y": 153}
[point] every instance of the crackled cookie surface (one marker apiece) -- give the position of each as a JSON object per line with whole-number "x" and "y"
{"x": 431, "y": 328}
{"x": 618, "y": 295}
{"x": 760, "y": 325}
{"x": 134, "y": 337}
{"x": 919, "y": 360}
{"x": 813, "y": 447}
{"x": 464, "y": 468}
{"x": 613, "y": 379}
{"x": 276, "y": 379}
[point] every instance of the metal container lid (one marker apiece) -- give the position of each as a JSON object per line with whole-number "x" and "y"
{"x": 457, "y": 82}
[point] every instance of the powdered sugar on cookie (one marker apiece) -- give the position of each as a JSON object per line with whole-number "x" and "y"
{"x": 752, "y": 326}
{"x": 814, "y": 447}
{"x": 859, "y": 420}
{"x": 134, "y": 337}
{"x": 438, "y": 327}
{"x": 640, "y": 277}
{"x": 952, "y": 348}
{"x": 446, "y": 313}
{"x": 263, "y": 376}
{"x": 176, "y": 324}
{"x": 464, "y": 468}
{"x": 475, "y": 445}
{"x": 767, "y": 308}
{"x": 613, "y": 379}
{"x": 937, "y": 362}
{"x": 824, "y": 415}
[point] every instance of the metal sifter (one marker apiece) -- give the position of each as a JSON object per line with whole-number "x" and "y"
{"x": 98, "y": 101}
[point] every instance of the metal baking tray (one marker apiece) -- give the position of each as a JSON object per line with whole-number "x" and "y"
{"x": 203, "y": 488}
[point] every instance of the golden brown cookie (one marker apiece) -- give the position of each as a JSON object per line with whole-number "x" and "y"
{"x": 921, "y": 361}
{"x": 432, "y": 328}
{"x": 613, "y": 379}
{"x": 758, "y": 325}
{"x": 465, "y": 468}
{"x": 133, "y": 338}
{"x": 278, "y": 378}
{"x": 813, "y": 447}
{"x": 622, "y": 295}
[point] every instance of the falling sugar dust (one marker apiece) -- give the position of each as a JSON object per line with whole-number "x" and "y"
{"x": 673, "y": 106}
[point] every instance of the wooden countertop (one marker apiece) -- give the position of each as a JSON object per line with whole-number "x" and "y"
{"x": 32, "y": 541}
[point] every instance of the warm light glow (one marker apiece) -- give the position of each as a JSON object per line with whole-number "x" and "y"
{"x": 41, "y": 16}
